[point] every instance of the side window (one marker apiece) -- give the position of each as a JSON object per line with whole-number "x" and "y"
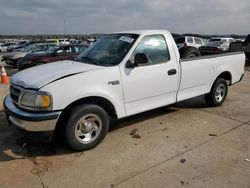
{"x": 44, "y": 47}
{"x": 51, "y": 47}
{"x": 65, "y": 50}
{"x": 197, "y": 41}
{"x": 79, "y": 49}
{"x": 59, "y": 51}
{"x": 190, "y": 40}
{"x": 38, "y": 49}
{"x": 155, "y": 48}
{"x": 68, "y": 49}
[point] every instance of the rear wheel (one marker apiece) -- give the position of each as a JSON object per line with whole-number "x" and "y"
{"x": 218, "y": 93}
{"x": 87, "y": 126}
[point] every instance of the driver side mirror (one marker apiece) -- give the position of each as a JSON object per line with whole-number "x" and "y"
{"x": 140, "y": 58}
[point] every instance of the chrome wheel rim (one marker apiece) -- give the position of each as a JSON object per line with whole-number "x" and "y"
{"x": 88, "y": 128}
{"x": 220, "y": 92}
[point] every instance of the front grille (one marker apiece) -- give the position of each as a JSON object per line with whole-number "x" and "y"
{"x": 14, "y": 93}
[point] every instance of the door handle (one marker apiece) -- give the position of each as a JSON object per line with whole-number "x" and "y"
{"x": 172, "y": 72}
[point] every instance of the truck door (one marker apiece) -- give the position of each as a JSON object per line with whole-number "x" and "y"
{"x": 153, "y": 84}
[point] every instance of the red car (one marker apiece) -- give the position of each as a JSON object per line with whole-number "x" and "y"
{"x": 65, "y": 52}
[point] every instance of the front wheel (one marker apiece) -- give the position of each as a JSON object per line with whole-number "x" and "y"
{"x": 87, "y": 126}
{"x": 218, "y": 93}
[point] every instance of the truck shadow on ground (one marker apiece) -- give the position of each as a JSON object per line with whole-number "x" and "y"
{"x": 14, "y": 145}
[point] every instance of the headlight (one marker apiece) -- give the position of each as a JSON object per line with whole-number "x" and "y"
{"x": 36, "y": 100}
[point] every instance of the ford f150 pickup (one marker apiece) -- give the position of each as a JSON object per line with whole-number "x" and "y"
{"x": 120, "y": 75}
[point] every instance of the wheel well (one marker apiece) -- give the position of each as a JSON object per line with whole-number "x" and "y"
{"x": 100, "y": 101}
{"x": 227, "y": 76}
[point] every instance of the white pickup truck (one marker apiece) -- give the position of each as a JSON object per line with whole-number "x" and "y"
{"x": 120, "y": 75}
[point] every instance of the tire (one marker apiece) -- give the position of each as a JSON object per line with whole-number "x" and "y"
{"x": 218, "y": 93}
{"x": 189, "y": 52}
{"x": 87, "y": 126}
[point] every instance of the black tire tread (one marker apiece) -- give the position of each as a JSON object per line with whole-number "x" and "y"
{"x": 76, "y": 113}
{"x": 210, "y": 98}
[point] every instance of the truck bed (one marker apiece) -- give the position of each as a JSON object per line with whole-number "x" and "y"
{"x": 199, "y": 73}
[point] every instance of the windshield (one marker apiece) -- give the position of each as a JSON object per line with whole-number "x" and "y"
{"x": 29, "y": 48}
{"x": 109, "y": 50}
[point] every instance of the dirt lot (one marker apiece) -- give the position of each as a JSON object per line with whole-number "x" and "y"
{"x": 185, "y": 145}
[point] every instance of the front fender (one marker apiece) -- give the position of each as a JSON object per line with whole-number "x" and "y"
{"x": 88, "y": 84}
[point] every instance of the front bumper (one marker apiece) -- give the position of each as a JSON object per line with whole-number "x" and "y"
{"x": 36, "y": 122}
{"x": 10, "y": 61}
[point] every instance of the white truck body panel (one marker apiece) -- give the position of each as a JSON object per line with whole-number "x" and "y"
{"x": 88, "y": 84}
{"x": 197, "y": 80}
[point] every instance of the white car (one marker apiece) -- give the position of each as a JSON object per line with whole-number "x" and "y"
{"x": 120, "y": 75}
{"x": 223, "y": 39}
{"x": 3, "y": 47}
{"x": 189, "y": 41}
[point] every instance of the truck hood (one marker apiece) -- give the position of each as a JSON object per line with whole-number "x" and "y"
{"x": 39, "y": 76}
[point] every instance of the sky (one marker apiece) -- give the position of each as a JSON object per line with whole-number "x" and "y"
{"x": 105, "y": 16}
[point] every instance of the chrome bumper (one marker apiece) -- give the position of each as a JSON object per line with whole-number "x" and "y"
{"x": 30, "y": 121}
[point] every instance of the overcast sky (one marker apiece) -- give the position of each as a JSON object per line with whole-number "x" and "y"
{"x": 104, "y": 16}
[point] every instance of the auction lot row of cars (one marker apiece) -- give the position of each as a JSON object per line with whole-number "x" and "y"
{"x": 215, "y": 45}
{"x": 40, "y": 53}
{"x": 27, "y": 54}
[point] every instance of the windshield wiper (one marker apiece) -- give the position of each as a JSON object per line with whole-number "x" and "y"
{"x": 91, "y": 59}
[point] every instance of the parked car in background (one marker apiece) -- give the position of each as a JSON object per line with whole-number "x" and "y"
{"x": 65, "y": 52}
{"x": 223, "y": 39}
{"x": 214, "y": 47}
{"x": 3, "y": 47}
{"x": 56, "y": 41}
{"x": 13, "y": 57}
{"x": 22, "y": 46}
{"x": 64, "y": 41}
{"x": 90, "y": 42}
{"x": 12, "y": 45}
{"x": 189, "y": 41}
{"x": 241, "y": 46}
